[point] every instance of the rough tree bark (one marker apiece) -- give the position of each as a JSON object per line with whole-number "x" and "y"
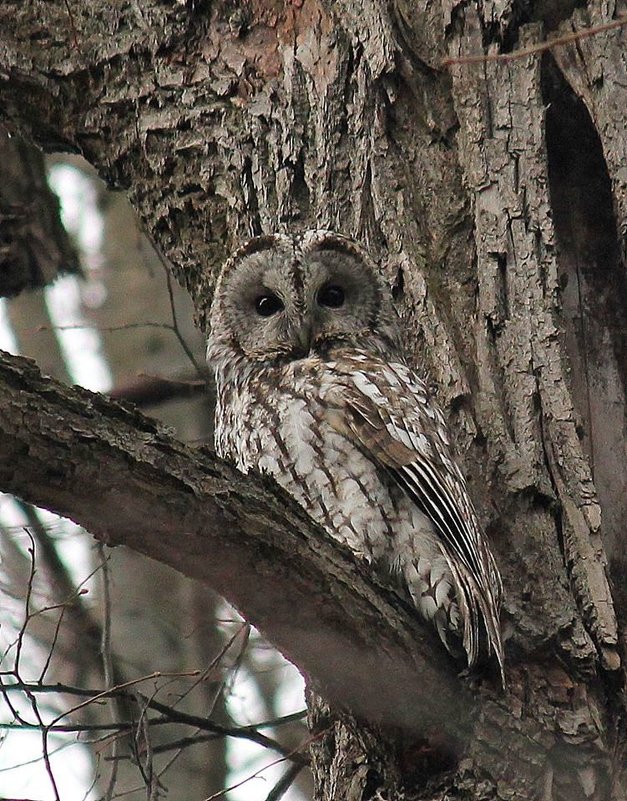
{"x": 493, "y": 193}
{"x": 34, "y": 246}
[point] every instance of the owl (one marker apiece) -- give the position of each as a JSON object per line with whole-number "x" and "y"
{"x": 313, "y": 388}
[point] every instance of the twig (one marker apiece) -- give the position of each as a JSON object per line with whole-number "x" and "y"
{"x": 16, "y": 668}
{"x": 215, "y": 662}
{"x": 27, "y": 603}
{"x": 109, "y": 329}
{"x": 284, "y": 783}
{"x": 166, "y": 264}
{"x": 74, "y": 728}
{"x": 169, "y": 715}
{"x": 254, "y": 775}
{"x": 131, "y": 683}
{"x": 304, "y": 745}
{"x": 244, "y": 733}
{"x": 107, "y": 663}
{"x": 58, "y": 578}
{"x": 540, "y": 47}
{"x": 175, "y": 324}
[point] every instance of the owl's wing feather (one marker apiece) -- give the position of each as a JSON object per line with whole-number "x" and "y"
{"x": 391, "y": 418}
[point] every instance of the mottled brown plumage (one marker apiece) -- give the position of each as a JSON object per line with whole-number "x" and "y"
{"x": 313, "y": 389}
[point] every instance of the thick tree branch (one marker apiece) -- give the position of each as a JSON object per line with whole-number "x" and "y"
{"x": 127, "y": 481}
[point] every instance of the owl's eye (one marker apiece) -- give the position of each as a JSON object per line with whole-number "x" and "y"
{"x": 331, "y": 296}
{"x": 267, "y": 305}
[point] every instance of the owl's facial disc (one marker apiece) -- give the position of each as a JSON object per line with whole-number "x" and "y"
{"x": 280, "y": 304}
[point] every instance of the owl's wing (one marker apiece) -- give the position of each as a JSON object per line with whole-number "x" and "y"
{"x": 388, "y": 413}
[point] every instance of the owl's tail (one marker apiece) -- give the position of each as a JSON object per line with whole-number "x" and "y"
{"x": 480, "y": 621}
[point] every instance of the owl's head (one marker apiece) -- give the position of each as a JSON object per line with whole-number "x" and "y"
{"x": 283, "y": 298}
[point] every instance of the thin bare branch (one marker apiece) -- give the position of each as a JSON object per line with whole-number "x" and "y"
{"x": 169, "y": 714}
{"x": 540, "y": 47}
{"x": 107, "y": 663}
{"x": 284, "y": 783}
{"x": 175, "y": 325}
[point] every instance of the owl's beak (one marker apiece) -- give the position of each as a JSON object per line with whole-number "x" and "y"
{"x": 302, "y": 339}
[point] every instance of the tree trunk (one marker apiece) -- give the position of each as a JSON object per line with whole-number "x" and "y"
{"x": 492, "y": 191}
{"x": 34, "y": 246}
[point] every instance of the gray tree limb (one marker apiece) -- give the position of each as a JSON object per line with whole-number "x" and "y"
{"x": 125, "y": 479}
